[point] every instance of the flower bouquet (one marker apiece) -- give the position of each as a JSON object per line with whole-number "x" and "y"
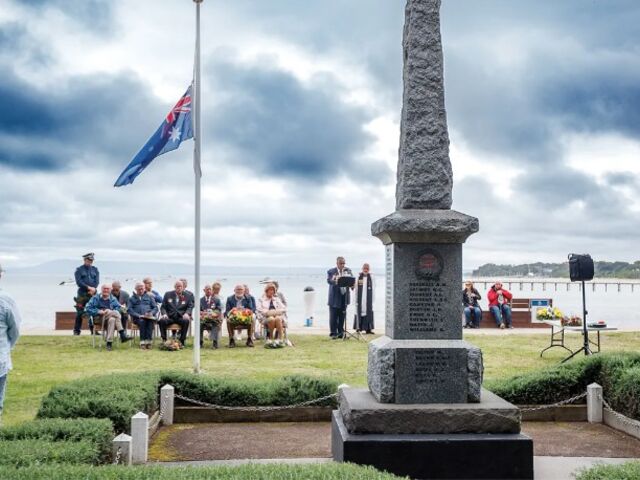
{"x": 548, "y": 313}
{"x": 171, "y": 345}
{"x": 211, "y": 318}
{"x": 240, "y": 317}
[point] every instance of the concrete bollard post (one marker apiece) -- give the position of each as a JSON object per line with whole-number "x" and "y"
{"x": 167, "y": 397}
{"x": 122, "y": 442}
{"x": 139, "y": 438}
{"x": 594, "y": 403}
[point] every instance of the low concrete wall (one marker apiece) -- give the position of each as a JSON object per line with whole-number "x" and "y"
{"x": 626, "y": 425}
{"x": 566, "y": 413}
{"x": 212, "y": 415}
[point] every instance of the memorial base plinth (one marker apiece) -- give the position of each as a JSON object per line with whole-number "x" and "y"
{"x": 442, "y": 456}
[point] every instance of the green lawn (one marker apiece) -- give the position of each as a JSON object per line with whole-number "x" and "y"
{"x": 42, "y": 362}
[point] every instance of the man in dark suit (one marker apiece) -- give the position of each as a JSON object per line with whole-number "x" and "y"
{"x": 176, "y": 308}
{"x": 210, "y": 304}
{"x": 339, "y": 298}
{"x": 238, "y": 300}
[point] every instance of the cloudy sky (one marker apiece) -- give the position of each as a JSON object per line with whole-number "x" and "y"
{"x": 301, "y": 104}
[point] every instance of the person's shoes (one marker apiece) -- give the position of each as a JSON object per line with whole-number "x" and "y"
{"x": 143, "y": 346}
{"x": 232, "y": 343}
{"x": 502, "y": 326}
{"x": 124, "y": 337}
{"x": 250, "y": 343}
{"x": 76, "y": 334}
{"x": 109, "y": 346}
{"x": 164, "y": 339}
{"x": 509, "y": 326}
{"x": 369, "y": 332}
{"x": 334, "y": 337}
{"x": 215, "y": 344}
{"x": 466, "y": 325}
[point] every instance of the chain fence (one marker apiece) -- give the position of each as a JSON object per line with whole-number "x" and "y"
{"x": 557, "y": 404}
{"x": 630, "y": 422}
{"x": 258, "y": 409}
{"x": 118, "y": 456}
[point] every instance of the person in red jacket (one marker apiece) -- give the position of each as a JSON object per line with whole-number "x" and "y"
{"x": 499, "y": 300}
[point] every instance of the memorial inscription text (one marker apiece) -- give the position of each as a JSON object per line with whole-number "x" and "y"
{"x": 432, "y": 367}
{"x": 426, "y": 306}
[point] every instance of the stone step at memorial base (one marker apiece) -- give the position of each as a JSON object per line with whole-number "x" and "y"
{"x": 443, "y": 456}
{"x": 363, "y": 414}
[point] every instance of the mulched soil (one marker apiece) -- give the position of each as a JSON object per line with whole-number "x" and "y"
{"x": 577, "y": 439}
{"x": 226, "y": 441}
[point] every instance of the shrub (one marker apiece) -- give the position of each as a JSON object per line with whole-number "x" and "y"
{"x": 626, "y": 471}
{"x": 115, "y": 396}
{"x": 119, "y": 396}
{"x": 23, "y": 453}
{"x": 618, "y": 373}
{"x": 97, "y": 432}
{"x": 329, "y": 471}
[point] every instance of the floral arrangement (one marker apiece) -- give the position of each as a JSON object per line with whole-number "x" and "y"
{"x": 211, "y": 318}
{"x": 240, "y": 316}
{"x": 548, "y": 313}
{"x": 572, "y": 321}
{"x": 171, "y": 345}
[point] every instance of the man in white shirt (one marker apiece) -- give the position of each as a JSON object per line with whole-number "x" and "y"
{"x": 9, "y": 333}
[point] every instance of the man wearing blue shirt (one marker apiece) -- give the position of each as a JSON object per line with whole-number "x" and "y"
{"x": 105, "y": 308}
{"x": 87, "y": 278}
{"x": 9, "y": 332}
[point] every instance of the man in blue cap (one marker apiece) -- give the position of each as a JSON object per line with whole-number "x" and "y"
{"x": 87, "y": 278}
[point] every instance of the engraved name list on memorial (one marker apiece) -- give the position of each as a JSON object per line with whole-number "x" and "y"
{"x": 388, "y": 287}
{"x": 426, "y": 306}
{"x": 432, "y": 367}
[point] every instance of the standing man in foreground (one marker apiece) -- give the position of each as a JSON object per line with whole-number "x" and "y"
{"x": 9, "y": 332}
{"x": 339, "y": 298}
{"x": 87, "y": 278}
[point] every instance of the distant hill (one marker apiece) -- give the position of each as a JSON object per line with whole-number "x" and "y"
{"x": 111, "y": 268}
{"x": 557, "y": 270}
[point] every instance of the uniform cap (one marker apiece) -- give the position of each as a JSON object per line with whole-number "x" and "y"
{"x": 89, "y": 256}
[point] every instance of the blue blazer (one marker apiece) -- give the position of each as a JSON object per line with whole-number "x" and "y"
{"x": 231, "y": 303}
{"x": 336, "y": 298}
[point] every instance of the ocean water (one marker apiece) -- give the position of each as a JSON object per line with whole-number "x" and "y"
{"x": 39, "y": 296}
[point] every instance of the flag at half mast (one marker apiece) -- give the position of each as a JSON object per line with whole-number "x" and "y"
{"x": 176, "y": 127}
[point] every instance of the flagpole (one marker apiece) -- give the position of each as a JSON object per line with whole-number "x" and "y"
{"x": 197, "y": 174}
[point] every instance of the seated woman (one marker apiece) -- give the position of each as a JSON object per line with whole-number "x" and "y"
{"x": 271, "y": 312}
{"x": 472, "y": 310}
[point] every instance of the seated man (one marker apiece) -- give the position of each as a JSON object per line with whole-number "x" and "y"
{"x": 176, "y": 308}
{"x": 238, "y": 300}
{"x": 499, "y": 299}
{"x": 123, "y": 299}
{"x": 105, "y": 308}
{"x": 143, "y": 310}
{"x": 148, "y": 287}
{"x": 209, "y": 304}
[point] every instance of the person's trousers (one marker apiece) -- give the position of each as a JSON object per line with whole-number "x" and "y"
{"x": 472, "y": 316}
{"x": 336, "y": 321}
{"x": 146, "y": 329}
{"x": 184, "y": 327}
{"x": 111, "y": 321}
{"x": 501, "y": 313}
{"x": 81, "y": 301}
{"x": 215, "y": 332}
{"x": 3, "y": 388}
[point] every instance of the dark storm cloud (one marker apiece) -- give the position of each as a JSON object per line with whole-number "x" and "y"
{"x": 279, "y": 127}
{"x": 100, "y": 116}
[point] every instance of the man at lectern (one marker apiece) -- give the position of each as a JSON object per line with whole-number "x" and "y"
{"x": 339, "y": 296}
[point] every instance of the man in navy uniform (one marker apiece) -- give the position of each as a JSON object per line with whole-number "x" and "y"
{"x": 177, "y": 307}
{"x": 87, "y": 278}
{"x": 339, "y": 298}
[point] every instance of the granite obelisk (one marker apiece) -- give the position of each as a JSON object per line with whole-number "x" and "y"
{"x": 425, "y": 408}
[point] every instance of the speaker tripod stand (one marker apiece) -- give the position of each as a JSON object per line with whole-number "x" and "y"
{"x": 356, "y": 335}
{"x": 585, "y": 331}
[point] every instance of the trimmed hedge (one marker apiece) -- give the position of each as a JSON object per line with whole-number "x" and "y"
{"x": 116, "y": 396}
{"x": 618, "y": 373}
{"x": 98, "y": 432}
{"x": 329, "y": 471}
{"x": 119, "y": 396}
{"x": 626, "y": 471}
{"x": 23, "y": 453}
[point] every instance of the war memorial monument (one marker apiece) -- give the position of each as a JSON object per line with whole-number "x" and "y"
{"x": 425, "y": 413}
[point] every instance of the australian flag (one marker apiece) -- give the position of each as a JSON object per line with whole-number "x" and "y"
{"x": 176, "y": 127}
